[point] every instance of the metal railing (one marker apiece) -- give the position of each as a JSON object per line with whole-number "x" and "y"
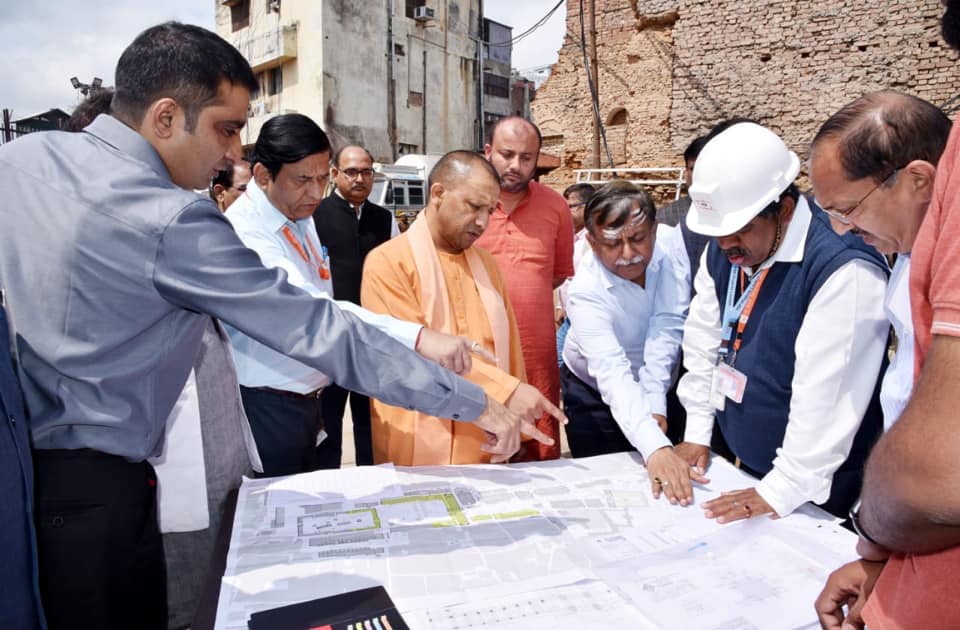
{"x": 640, "y": 176}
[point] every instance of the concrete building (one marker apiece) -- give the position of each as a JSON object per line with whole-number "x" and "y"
{"x": 670, "y": 69}
{"x": 497, "y": 53}
{"x": 397, "y": 76}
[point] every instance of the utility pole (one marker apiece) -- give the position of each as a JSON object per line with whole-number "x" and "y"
{"x": 391, "y": 85}
{"x": 481, "y": 132}
{"x": 595, "y": 77}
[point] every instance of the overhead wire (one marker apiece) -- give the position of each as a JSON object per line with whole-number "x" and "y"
{"x": 530, "y": 30}
{"x": 594, "y": 98}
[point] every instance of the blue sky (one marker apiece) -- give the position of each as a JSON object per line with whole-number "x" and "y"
{"x": 45, "y": 42}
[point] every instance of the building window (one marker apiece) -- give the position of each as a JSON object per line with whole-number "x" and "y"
{"x": 271, "y": 82}
{"x": 412, "y": 6}
{"x": 407, "y": 149}
{"x": 415, "y": 99}
{"x": 240, "y": 14}
{"x": 496, "y": 85}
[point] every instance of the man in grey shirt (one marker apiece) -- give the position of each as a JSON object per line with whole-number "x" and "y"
{"x": 114, "y": 267}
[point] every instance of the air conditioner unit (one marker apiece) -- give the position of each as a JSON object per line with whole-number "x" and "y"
{"x": 422, "y": 13}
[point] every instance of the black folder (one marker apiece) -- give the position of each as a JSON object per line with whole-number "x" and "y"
{"x": 371, "y": 608}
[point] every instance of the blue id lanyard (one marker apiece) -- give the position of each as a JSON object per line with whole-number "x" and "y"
{"x": 733, "y": 310}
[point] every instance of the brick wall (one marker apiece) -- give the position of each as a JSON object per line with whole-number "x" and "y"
{"x": 670, "y": 69}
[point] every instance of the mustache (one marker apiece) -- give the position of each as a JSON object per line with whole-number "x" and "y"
{"x": 626, "y": 262}
{"x": 734, "y": 251}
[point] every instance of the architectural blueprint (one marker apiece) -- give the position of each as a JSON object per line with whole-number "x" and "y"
{"x": 482, "y": 542}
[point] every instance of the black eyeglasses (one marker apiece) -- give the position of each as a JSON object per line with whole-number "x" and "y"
{"x": 353, "y": 173}
{"x": 846, "y": 216}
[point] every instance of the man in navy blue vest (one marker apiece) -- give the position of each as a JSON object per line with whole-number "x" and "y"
{"x": 19, "y": 591}
{"x": 786, "y": 334}
{"x": 350, "y": 227}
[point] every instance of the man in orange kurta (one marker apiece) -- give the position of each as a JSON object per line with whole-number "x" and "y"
{"x": 431, "y": 274}
{"x": 531, "y": 236}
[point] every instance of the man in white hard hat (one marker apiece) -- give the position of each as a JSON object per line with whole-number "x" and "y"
{"x": 786, "y": 334}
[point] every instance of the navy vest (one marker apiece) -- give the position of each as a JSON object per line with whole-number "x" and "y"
{"x": 754, "y": 429}
{"x": 348, "y": 241}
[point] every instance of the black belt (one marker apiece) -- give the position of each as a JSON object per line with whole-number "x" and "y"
{"x": 282, "y": 392}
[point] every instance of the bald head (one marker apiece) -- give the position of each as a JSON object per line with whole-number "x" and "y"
{"x": 455, "y": 166}
{"x": 873, "y": 166}
{"x": 516, "y": 126}
{"x": 351, "y": 151}
{"x": 353, "y": 173}
{"x": 881, "y": 132}
{"x": 513, "y": 150}
{"x": 464, "y": 191}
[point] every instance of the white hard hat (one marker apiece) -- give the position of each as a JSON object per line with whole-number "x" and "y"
{"x": 737, "y": 174}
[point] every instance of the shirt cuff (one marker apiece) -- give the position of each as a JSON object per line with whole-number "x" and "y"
{"x": 466, "y": 404}
{"x": 657, "y": 402}
{"x": 776, "y": 489}
{"x": 699, "y": 430}
{"x": 406, "y": 333}
{"x": 647, "y": 437}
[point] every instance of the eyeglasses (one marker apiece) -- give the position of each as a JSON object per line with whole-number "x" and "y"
{"x": 353, "y": 173}
{"x": 846, "y": 216}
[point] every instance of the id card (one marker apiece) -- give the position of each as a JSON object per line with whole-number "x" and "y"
{"x": 730, "y": 382}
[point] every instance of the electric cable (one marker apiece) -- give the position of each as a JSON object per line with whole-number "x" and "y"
{"x": 593, "y": 90}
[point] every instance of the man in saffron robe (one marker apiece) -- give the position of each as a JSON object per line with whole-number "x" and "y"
{"x": 432, "y": 275}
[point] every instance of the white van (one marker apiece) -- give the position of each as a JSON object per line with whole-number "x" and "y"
{"x": 402, "y": 187}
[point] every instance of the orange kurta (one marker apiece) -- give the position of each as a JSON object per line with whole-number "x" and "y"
{"x": 534, "y": 244}
{"x": 391, "y": 285}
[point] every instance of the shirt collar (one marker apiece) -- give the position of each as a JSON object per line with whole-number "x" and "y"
{"x": 795, "y": 238}
{"x": 358, "y": 209}
{"x": 271, "y": 218}
{"x": 128, "y": 141}
{"x": 610, "y": 280}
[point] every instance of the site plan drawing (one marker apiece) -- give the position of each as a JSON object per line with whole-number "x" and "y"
{"x": 581, "y": 539}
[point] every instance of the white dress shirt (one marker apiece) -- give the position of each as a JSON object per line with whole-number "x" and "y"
{"x": 580, "y": 248}
{"x": 838, "y": 349}
{"x": 898, "y": 381}
{"x": 624, "y": 339}
{"x": 394, "y": 228}
{"x": 260, "y": 226}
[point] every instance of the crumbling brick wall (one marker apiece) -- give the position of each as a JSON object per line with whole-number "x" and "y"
{"x": 676, "y": 67}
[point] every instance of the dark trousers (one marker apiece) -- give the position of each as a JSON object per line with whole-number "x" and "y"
{"x": 101, "y": 556}
{"x": 330, "y": 451}
{"x": 591, "y": 429}
{"x": 285, "y": 428}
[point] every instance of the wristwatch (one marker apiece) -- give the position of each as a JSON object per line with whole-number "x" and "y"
{"x": 855, "y": 521}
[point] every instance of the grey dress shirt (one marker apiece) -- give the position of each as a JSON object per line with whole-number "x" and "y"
{"x": 114, "y": 271}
